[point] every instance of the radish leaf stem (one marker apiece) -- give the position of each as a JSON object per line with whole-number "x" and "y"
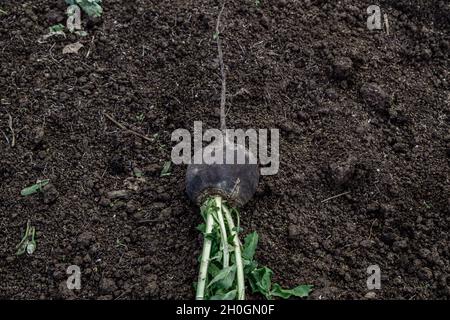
{"x": 237, "y": 255}
{"x": 223, "y": 232}
{"x": 205, "y": 258}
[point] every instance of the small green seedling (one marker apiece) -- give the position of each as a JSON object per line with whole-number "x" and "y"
{"x": 3, "y": 12}
{"x": 35, "y": 188}
{"x": 28, "y": 243}
{"x": 91, "y": 7}
{"x": 427, "y": 205}
{"x": 156, "y": 139}
{"x": 56, "y": 28}
{"x": 258, "y": 3}
{"x": 140, "y": 117}
{"x": 166, "y": 169}
{"x": 119, "y": 244}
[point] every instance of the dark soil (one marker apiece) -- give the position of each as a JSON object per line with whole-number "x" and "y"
{"x": 360, "y": 111}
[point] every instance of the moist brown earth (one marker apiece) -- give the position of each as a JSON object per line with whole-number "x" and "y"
{"x": 362, "y": 113}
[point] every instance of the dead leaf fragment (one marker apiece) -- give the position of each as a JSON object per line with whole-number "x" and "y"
{"x": 72, "y": 48}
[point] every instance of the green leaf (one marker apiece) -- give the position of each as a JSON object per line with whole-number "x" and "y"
{"x": 228, "y": 281}
{"x": 210, "y": 236}
{"x": 231, "y": 295}
{"x": 237, "y": 229}
{"x": 34, "y": 188}
{"x": 91, "y": 7}
{"x": 56, "y": 28}
{"x": 213, "y": 269}
{"x": 249, "y": 266}
{"x": 250, "y": 244}
{"x": 217, "y": 255}
{"x": 299, "y": 291}
{"x": 201, "y": 227}
{"x": 222, "y": 275}
{"x": 166, "y": 169}
{"x": 230, "y": 240}
{"x": 261, "y": 281}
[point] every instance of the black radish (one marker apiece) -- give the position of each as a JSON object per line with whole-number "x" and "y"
{"x": 235, "y": 183}
{"x": 219, "y": 188}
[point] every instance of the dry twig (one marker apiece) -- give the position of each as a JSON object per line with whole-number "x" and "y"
{"x": 6, "y": 137}
{"x": 10, "y": 124}
{"x": 386, "y": 22}
{"x": 336, "y": 196}
{"x": 121, "y": 126}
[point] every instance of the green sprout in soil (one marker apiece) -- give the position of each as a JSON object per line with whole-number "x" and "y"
{"x": 226, "y": 265}
{"x": 92, "y": 8}
{"x": 56, "y": 28}
{"x": 166, "y": 169}
{"x": 427, "y": 205}
{"x": 140, "y": 117}
{"x": 35, "y": 188}
{"x": 3, "y": 12}
{"x": 28, "y": 243}
{"x": 119, "y": 244}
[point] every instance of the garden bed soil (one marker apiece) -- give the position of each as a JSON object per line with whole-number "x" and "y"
{"x": 361, "y": 112}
